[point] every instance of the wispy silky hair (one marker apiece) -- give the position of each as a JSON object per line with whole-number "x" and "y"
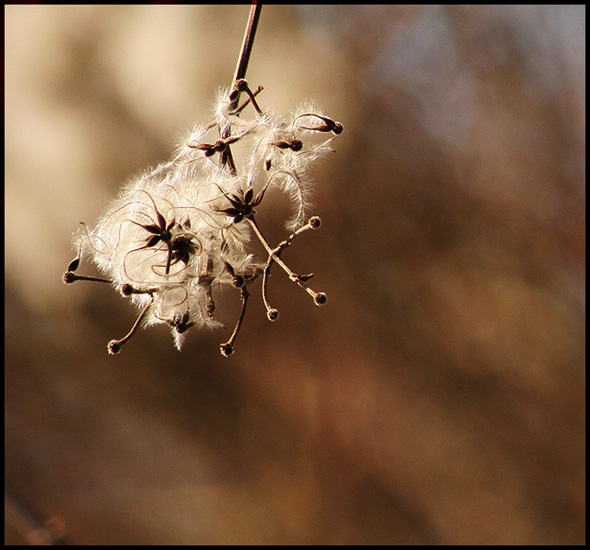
{"x": 180, "y": 233}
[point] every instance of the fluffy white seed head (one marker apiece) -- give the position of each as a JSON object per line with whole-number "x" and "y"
{"x": 178, "y": 233}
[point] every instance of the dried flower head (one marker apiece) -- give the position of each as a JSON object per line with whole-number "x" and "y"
{"x": 179, "y": 233}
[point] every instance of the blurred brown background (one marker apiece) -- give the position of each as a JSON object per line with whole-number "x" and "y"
{"x": 437, "y": 399}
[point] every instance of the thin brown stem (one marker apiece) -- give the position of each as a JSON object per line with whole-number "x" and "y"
{"x": 246, "y": 50}
{"x": 70, "y": 277}
{"x": 228, "y": 347}
{"x": 245, "y": 103}
{"x": 238, "y": 109}
{"x": 274, "y": 255}
{"x": 114, "y": 346}
{"x": 271, "y": 313}
{"x": 226, "y": 158}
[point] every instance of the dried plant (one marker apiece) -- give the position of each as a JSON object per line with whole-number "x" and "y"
{"x": 180, "y": 232}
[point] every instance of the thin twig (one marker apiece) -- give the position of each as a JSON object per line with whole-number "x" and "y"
{"x": 228, "y": 347}
{"x": 272, "y": 253}
{"x": 274, "y": 256}
{"x": 114, "y": 346}
{"x": 247, "y": 44}
{"x": 226, "y": 158}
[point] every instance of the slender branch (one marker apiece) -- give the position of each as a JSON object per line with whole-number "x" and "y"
{"x": 247, "y": 44}
{"x": 114, "y": 346}
{"x": 70, "y": 277}
{"x": 226, "y": 158}
{"x": 274, "y": 256}
{"x": 228, "y": 347}
{"x": 271, "y": 253}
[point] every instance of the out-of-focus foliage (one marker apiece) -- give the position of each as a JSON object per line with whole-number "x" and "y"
{"x": 438, "y": 398}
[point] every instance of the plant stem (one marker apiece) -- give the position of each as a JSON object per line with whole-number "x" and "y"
{"x": 228, "y": 348}
{"x": 226, "y": 159}
{"x": 247, "y": 44}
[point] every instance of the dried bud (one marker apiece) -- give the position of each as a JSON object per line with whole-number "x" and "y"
{"x": 74, "y": 264}
{"x": 315, "y": 222}
{"x": 296, "y": 145}
{"x": 320, "y": 299}
{"x": 272, "y": 314}
{"x": 226, "y": 349}
{"x": 127, "y": 289}
{"x": 337, "y": 128}
{"x": 114, "y": 347}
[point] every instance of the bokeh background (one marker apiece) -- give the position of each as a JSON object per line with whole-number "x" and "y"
{"x": 439, "y": 397}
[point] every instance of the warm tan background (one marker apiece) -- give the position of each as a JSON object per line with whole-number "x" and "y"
{"x": 437, "y": 399}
